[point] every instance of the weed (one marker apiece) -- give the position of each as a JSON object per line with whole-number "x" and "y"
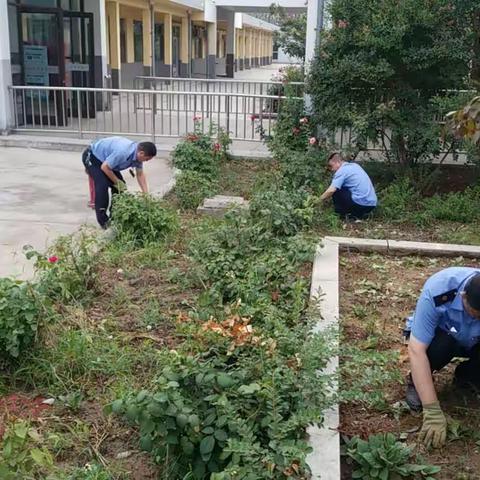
{"x": 383, "y": 457}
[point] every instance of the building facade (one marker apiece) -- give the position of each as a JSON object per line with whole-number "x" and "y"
{"x": 109, "y": 43}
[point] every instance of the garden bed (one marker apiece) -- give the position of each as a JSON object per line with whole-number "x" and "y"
{"x": 376, "y": 294}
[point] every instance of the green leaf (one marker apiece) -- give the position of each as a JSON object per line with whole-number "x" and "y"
{"x": 221, "y": 435}
{"x": 41, "y": 457}
{"x": 206, "y": 445}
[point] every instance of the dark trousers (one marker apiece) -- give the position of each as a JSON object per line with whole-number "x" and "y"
{"x": 444, "y": 348}
{"x": 102, "y": 185}
{"x": 346, "y": 207}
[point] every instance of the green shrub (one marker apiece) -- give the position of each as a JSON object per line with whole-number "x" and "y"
{"x": 283, "y": 212}
{"x": 22, "y": 310}
{"x": 303, "y": 169}
{"x": 23, "y": 454}
{"x": 455, "y": 207}
{"x": 202, "y": 152}
{"x": 196, "y": 153}
{"x": 382, "y": 457}
{"x": 239, "y": 407}
{"x": 67, "y": 274}
{"x": 142, "y": 219}
{"x": 192, "y": 187}
{"x": 398, "y": 201}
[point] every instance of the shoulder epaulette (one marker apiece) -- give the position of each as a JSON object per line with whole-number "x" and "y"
{"x": 444, "y": 298}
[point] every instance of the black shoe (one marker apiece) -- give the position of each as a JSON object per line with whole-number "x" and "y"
{"x": 411, "y": 396}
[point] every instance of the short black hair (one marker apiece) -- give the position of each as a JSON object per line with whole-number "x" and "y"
{"x": 472, "y": 292}
{"x": 148, "y": 148}
{"x": 333, "y": 154}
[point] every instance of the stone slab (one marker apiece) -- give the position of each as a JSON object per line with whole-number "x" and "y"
{"x": 324, "y": 461}
{"x": 218, "y": 205}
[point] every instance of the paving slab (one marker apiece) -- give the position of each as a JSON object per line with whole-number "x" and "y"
{"x": 218, "y": 205}
{"x": 44, "y": 194}
{"x": 324, "y": 461}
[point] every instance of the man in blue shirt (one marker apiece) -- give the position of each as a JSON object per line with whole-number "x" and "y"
{"x": 351, "y": 189}
{"x": 105, "y": 159}
{"x": 446, "y": 324}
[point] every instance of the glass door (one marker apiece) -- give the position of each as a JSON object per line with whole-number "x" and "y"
{"x": 41, "y": 56}
{"x": 79, "y": 59}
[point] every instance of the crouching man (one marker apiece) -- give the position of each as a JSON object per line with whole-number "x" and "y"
{"x": 351, "y": 189}
{"x": 446, "y": 324}
{"x": 105, "y": 159}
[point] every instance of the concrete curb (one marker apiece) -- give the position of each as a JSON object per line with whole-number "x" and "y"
{"x": 395, "y": 247}
{"x": 324, "y": 461}
{"x": 68, "y": 144}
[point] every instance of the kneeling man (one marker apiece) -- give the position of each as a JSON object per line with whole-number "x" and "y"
{"x": 351, "y": 189}
{"x": 446, "y": 324}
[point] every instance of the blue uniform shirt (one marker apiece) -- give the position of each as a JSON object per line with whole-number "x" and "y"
{"x": 353, "y": 177}
{"x": 441, "y": 305}
{"x": 118, "y": 152}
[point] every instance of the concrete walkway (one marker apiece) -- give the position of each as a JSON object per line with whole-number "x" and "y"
{"x": 261, "y": 73}
{"x": 44, "y": 194}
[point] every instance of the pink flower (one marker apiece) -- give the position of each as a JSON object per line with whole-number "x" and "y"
{"x": 312, "y": 141}
{"x": 304, "y": 120}
{"x": 192, "y": 138}
{"x": 216, "y": 147}
{"x": 53, "y": 259}
{"x": 295, "y": 130}
{"x": 252, "y": 118}
{"x": 342, "y": 24}
{"x": 197, "y": 118}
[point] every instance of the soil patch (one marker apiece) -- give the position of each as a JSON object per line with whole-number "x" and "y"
{"x": 376, "y": 294}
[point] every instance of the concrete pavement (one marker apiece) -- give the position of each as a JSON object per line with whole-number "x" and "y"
{"x": 44, "y": 194}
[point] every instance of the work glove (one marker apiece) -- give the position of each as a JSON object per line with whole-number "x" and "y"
{"x": 121, "y": 186}
{"x": 434, "y": 428}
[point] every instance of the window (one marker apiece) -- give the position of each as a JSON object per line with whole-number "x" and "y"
{"x": 159, "y": 42}
{"x": 138, "y": 41}
{"x": 123, "y": 41}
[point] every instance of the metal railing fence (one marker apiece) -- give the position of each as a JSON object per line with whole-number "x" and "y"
{"x": 153, "y": 113}
{"x": 216, "y": 85}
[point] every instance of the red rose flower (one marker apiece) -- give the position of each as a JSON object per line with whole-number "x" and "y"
{"x": 53, "y": 259}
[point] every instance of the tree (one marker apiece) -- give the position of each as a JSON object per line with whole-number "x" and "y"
{"x": 384, "y": 68}
{"x": 293, "y": 31}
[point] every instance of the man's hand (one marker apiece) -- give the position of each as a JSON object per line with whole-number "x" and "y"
{"x": 434, "y": 428}
{"x": 121, "y": 186}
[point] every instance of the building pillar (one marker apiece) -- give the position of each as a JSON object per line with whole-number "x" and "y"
{"x": 248, "y": 43}
{"x": 113, "y": 10}
{"x": 242, "y": 49}
{"x": 212, "y": 50}
{"x": 185, "y": 61}
{"x": 230, "y": 56}
{"x": 147, "y": 42}
{"x": 6, "y": 108}
{"x": 167, "y": 19}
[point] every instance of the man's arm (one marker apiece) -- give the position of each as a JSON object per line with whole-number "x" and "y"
{"x": 421, "y": 372}
{"x": 328, "y": 193}
{"x": 142, "y": 180}
{"x": 109, "y": 173}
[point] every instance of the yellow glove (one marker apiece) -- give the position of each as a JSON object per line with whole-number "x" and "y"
{"x": 434, "y": 428}
{"x": 121, "y": 186}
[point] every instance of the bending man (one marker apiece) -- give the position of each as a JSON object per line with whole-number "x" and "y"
{"x": 446, "y": 324}
{"x": 351, "y": 189}
{"x": 105, "y": 159}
